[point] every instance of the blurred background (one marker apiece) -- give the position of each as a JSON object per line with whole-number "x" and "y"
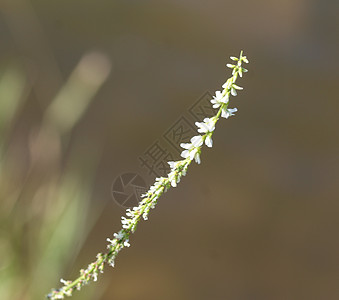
{"x": 87, "y": 88}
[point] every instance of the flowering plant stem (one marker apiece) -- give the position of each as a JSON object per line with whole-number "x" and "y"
{"x": 161, "y": 185}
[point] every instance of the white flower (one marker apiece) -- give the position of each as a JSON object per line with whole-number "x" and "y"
{"x": 237, "y": 87}
{"x": 64, "y": 282}
{"x": 145, "y": 216}
{"x": 219, "y": 98}
{"x": 112, "y": 243}
{"x": 125, "y": 222}
{"x": 173, "y": 164}
{"x": 234, "y": 89}
{"x": 197, "y": 140}
{"x": 188, "y": 147}
{"x": 208, "y": 141}
{"x": 192, "y": 149}
{"x": 226, "y": 113}
{"x": 111, "y": 263}
{"x": 119, "y": 235}
{"x": 244, "y": 59}
{"x": 207, "y": 126}
{"x": 227, "y": 84}
{"x": 126, "y": 243}
{"x": 195, "y": 153}
{"x": 129, "y": 213}
{"x": 172, "y": 178}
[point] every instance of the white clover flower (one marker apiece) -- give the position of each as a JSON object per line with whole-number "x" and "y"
{"x": 226, "y": 113}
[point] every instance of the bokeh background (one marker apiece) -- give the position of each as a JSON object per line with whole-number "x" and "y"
{"x": 87, "y": 86}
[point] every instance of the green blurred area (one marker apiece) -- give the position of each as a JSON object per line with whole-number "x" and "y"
{"x": 87, "y": 86}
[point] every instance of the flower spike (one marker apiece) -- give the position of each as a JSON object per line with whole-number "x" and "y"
{"x": 179, "y": 168}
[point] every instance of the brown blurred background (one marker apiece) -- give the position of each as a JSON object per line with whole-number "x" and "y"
{"x": 87, "y": 86}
